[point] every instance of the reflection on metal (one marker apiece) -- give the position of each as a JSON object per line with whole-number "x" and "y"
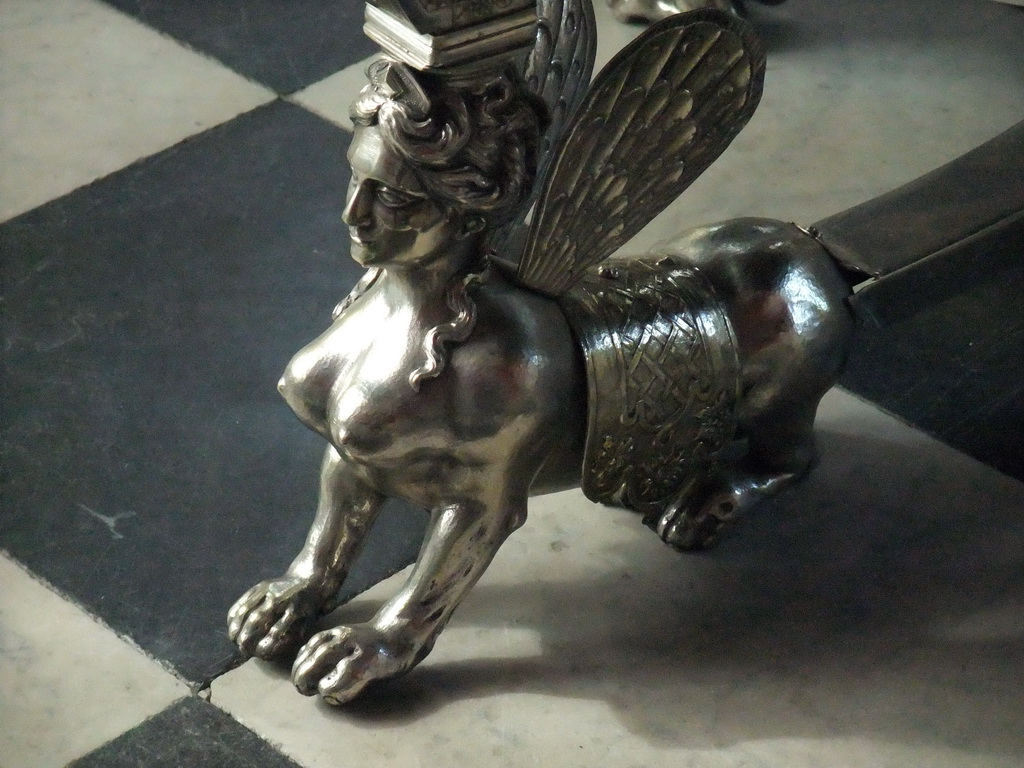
{"x": 649, "y": 11}
{"x": 483, "y": 359}
{"x": 654, "y": 119}
{"x": 663, "y": 370}
{"x": 444, "y": 35}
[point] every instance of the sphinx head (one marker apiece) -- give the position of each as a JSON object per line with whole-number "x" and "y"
{"x": 436, "y": 163}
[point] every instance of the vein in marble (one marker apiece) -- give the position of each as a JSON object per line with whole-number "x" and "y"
{"x": 67, "y": 683}
{"x": 870, "y": 617}
{"x": 85, "y": 90}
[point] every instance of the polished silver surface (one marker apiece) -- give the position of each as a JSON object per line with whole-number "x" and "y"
{"x": 458, "y": 385}
{"x": 663, "y": 373}
{"x": 558, "y": 70}
{"x": 489, "y": 38}
{"x": 648, "y": 11}
{"x": 786, "y": 304}
{"x": 662, "y": 110}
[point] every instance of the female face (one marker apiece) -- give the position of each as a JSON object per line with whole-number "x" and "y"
{"x": 391, "y": 220}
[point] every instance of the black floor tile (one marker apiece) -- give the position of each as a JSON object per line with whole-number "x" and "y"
{"x": 284, "y": 45}
{"x": 955, "y": 370}
{"x": 147, "y": 465}
{"x": 189, "y": 734}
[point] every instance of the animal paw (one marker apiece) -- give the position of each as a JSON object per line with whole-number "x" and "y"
{"x": 339, "y": 663}
{"x": 274, "y": 616}
{"x": 694, "y": 528}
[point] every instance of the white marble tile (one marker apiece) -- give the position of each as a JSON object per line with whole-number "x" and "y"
{"x": 858, "y": 101}
{"x": 67, "y": 683}
{"x": 871, "y": 617}
{"x": 85, "y": 90}
{"x": 330, "y": 98}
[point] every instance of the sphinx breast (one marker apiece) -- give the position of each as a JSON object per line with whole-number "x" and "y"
{"x": 307, "y": 383}
{"x": 364, "y": 423}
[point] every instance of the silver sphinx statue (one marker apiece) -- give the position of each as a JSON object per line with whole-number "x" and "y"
{"x": 493, "y": 349}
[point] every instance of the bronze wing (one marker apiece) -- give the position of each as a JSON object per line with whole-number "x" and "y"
{"x": 655, "y": 117}
{"x": 558, "y": 70}
{"x": 561, "y": 63}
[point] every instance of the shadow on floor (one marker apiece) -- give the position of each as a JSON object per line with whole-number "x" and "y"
{"x": 895, "y": 612}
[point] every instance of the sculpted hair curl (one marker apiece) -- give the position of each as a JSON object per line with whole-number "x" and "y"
{"x": 473, "y": 147}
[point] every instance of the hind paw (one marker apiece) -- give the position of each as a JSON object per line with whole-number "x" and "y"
{"x": 697, "y": 522}
{"x": 691, "y": 528}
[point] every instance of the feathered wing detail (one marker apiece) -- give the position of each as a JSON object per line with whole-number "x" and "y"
{"x": 561, "y": 63}
{"x": 654, "y": 119}
{"x": 558, "y": 70}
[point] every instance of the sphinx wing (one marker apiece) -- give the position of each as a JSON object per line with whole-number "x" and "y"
{"x": 561, "y": 63}
{"x": 655, "y": 117}
{"x": 558, "y": 70}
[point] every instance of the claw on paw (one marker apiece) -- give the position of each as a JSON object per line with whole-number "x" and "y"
{"x": 272, "y": 617}
{"x": 688, "y": 529}
{"x": 339, "y": 663}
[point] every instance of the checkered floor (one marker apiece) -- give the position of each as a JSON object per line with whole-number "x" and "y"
{"x": 172, "y": 177}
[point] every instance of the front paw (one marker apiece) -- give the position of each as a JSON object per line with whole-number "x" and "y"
{"x": 339, "y": 663}
{"x": 274, "y": 616}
